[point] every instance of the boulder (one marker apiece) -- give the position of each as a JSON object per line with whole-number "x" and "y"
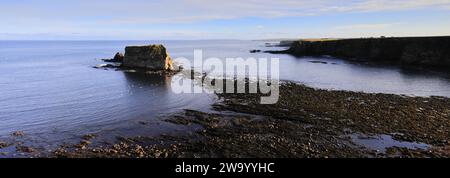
{"x": 153, "y": 57}
{"x": 118, "y": 57}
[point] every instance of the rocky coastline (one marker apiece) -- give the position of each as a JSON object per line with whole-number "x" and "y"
{"x": 306, "y": 123}
{"x": 408, "y": 51}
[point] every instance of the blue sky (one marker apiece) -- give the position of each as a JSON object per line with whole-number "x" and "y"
{"x": 218, "y": 19}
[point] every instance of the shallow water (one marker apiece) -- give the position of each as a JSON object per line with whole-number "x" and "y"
{"x": 50, "y": 91}
{"x": 381, "y": 143}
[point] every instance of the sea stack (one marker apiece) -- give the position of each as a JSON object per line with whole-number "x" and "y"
{"x": 153, "y": 57}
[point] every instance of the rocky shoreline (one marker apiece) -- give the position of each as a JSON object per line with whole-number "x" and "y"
{"x": 408, "y": 51}
{"x": 306, "y": 123}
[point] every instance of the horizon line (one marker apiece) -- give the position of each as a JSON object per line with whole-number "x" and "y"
{"x": 226, "y": 39}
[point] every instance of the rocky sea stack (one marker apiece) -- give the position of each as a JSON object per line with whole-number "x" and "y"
{"x": 153, "y": 57}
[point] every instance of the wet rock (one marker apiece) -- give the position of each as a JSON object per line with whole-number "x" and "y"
{"x": 179, "y": 121}
{"x": 89, "y": 136}
{"x": 318, "y": 62}
{"x": 18, "y": 134}
{"x": 240, "y": 121}
{"x": 83, "y": 144}
{"x": 139, "y": 151}
{"x": 153, "y": 57}
{"x": 3, "y": 144}
{"x": 24, "y": 149}
{"x": 117, "y": 58}
{"x": 255, "y": 51}
{"x": 143, "y": 122}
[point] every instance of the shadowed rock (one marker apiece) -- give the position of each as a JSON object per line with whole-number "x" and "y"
{"x": 422, "y": 51}
{"x": 118, "y": 57}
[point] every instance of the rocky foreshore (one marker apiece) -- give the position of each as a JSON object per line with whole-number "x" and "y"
{"x": 306, "y": 122}
{"x": 419, "y": 51}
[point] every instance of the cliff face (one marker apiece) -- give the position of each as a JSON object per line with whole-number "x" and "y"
{"x": 426, "y": 51}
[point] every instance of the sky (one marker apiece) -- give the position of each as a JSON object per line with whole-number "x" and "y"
{"x": 220, "y": 19}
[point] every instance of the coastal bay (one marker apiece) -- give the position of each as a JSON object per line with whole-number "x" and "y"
{"x": 74, "y": 110}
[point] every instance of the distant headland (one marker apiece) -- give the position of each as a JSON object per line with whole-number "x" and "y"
{"x": 421, "y": 51}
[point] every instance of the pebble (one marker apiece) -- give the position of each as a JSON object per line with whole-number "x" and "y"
{"x": 3, "y": 144}
{"x": 18, "y": 134}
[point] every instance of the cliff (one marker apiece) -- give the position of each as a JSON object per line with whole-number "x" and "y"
{"x": 424, "y": 51}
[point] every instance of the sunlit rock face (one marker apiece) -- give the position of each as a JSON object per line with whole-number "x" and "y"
{"x": 154, "y": 57}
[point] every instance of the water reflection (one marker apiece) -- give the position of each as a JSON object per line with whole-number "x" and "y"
{"x": 137, "y": 80}
{"x": 148, "y": 94}
{"x": 154, "y": 94}
{"x": 338, "y": 74}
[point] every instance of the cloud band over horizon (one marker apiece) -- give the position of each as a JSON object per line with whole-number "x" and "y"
{"x": 213, "y": 19}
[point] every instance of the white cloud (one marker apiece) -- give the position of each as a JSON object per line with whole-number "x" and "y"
{"x": 375, "y": 26}
{"x": 143, "y": 18}
{"x": 188, "y": 11}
